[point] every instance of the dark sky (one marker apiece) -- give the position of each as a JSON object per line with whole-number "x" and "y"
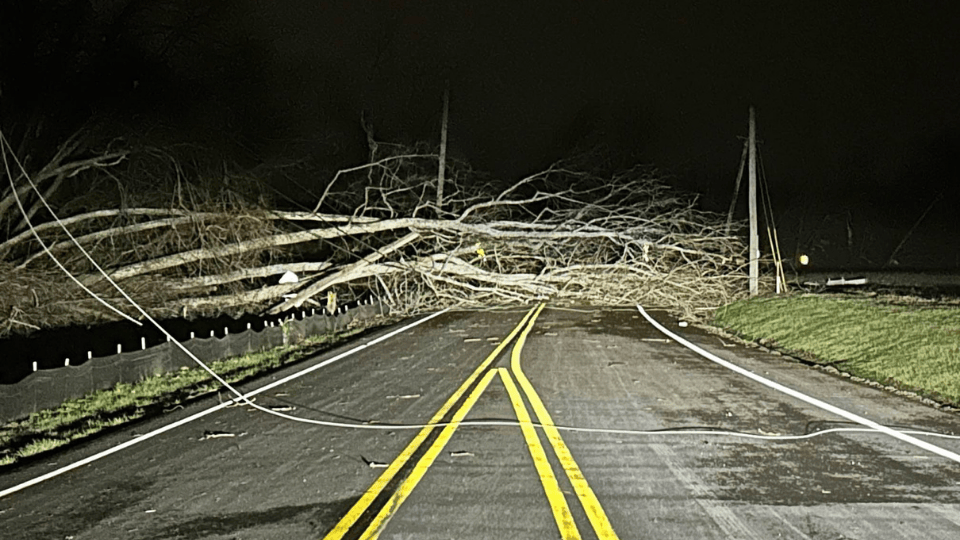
{"x": 857, "y": 101}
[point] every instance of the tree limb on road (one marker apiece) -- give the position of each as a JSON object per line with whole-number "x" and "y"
{"x": 345, "y": 274}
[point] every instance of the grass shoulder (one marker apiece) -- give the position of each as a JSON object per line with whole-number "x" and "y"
{"x": 97, "y": 412}
{"x": 907, "y": 343}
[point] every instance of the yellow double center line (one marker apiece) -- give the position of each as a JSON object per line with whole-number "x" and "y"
{"x": 558, "y": 503}
{"x": 595, "y": 513}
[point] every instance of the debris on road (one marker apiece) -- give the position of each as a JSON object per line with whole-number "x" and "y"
{"x": 374, "y": 464}
{"x": 282, "y": 408}
{"x": 207, "y": 435}
{"x": 237, "y": 402}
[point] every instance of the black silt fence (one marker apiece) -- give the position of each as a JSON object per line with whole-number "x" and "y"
{"x": 49, "y": 388}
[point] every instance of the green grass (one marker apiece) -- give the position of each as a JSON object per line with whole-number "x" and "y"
{"x": 93, "y": 413}
{"x": 37, "y": 446}
{"x": 912, "y": 346}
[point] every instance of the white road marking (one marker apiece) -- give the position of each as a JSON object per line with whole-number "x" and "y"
{"x": 801, "y": 396}
{"x": 215, "y": 408}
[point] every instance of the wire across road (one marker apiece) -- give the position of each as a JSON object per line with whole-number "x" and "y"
{"x": 541, "y": 423}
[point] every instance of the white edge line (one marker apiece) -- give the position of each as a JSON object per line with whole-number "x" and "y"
{"x": 178, "y": 423}
{"x": 801, "y": 396}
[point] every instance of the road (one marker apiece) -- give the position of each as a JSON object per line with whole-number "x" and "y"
{"x": 238, "y": 473}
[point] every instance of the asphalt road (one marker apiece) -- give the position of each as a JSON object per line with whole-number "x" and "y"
{"x": 242, "y": 474}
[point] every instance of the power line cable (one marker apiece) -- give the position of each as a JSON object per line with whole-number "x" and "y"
{"x": 242, "y": 398}
{"x": 110, "y": 280}
{"x": 4, "y": 145}
{"x": 772, "y": 223}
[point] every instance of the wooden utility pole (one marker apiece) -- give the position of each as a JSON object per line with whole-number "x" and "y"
{"x": 752, "y": 175}
{"x": 443, "y": 145}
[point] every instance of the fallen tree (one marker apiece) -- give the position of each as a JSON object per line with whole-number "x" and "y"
{"x": 562, "y": 234}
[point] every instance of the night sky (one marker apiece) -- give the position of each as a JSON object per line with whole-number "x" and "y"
{"x": 857, "y": 102}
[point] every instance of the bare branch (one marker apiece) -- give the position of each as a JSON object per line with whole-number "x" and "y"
{"x": 344, "y": 274}
{"x": 377, "y": 163}
{"x": 251, "y": 273}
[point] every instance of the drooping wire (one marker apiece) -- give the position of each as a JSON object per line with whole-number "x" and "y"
{"x": 4, "y": 145}
{"x": 242, "y": 398}
{"x": 771, "y": 222}
{"x": 123, "y": 293}
{"x": 736, "y": 187}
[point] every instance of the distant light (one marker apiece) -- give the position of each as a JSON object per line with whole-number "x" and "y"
{"x": 804, "y": 260}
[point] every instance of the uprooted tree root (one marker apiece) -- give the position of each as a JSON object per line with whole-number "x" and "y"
{"x": 561, "y": 235}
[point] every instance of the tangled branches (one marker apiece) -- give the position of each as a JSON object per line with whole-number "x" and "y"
{"x": 562, "y": 235}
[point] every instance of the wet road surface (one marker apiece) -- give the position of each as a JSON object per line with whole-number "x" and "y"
{"x": 241, "y": 474}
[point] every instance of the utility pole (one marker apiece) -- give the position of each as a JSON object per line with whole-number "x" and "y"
{"x": 752, "y": 175}
{"x": 443, "y": 146}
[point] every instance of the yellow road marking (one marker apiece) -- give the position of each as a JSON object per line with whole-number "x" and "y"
{"x": 558, "y": 503}
{"x": 351, "y": 517}
{"x": 595, "y": 513}
{"x": 376, "y": 526}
